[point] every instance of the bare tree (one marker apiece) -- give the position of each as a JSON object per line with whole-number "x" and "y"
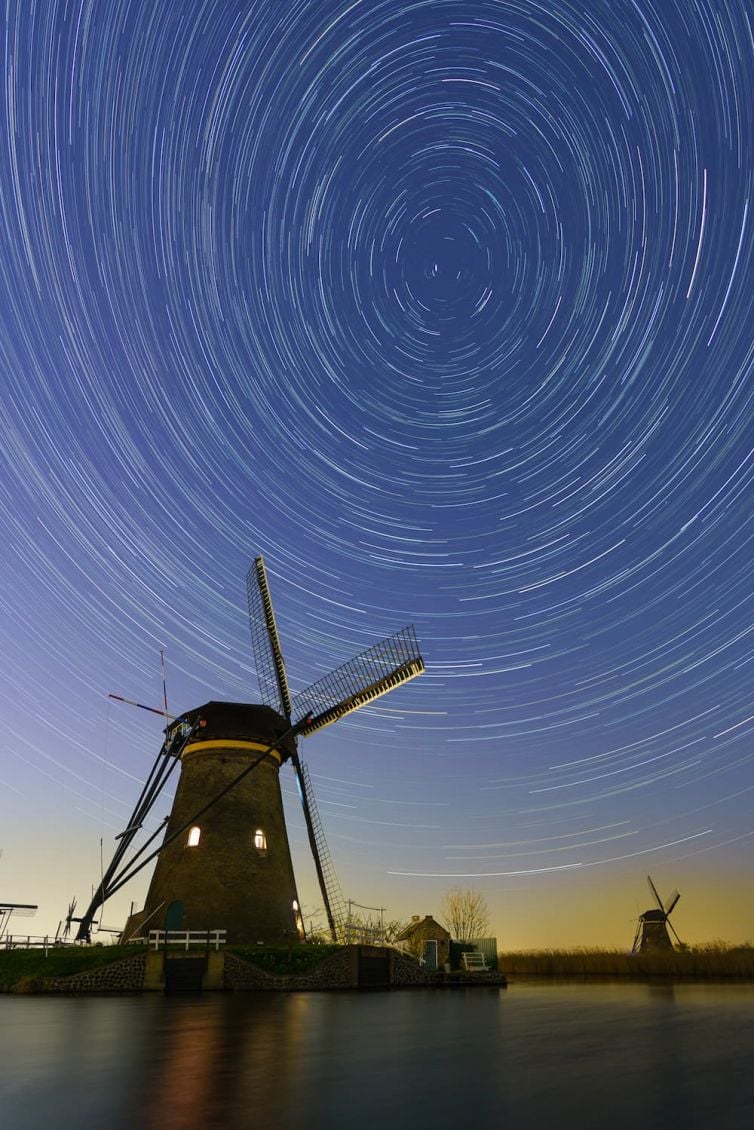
{"x": 393, "y": 929}
{"x": 314, "y": 925}
{"x": 414, "y": 944}
{"x": 465, "y": 913}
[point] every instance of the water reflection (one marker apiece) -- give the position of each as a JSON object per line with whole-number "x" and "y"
{"x": 562, "y": 1056}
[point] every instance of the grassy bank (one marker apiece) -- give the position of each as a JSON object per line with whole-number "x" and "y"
{"x": 21, "y": 965}
{"x": 18, "y": 965}
{"x": 713, "y": 961}
{"x": 281, "y": 959}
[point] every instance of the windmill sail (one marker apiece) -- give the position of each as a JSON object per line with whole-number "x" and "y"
{"x": 653, "y": 889}
{"x": 273, "y": 681}
{"x": 672, "y": 900}
{"x": 332, "y": 895}
{"x": 23, "y": 909}
{"x": 360, "y": 681}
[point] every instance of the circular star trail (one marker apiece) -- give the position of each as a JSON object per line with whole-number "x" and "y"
{"x": 445, "y": 307}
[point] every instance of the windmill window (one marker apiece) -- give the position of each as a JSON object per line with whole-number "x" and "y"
{"x": 260, "y": 840}
{"x": 194, "y": 836}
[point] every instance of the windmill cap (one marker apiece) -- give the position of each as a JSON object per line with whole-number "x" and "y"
{"x": 240, "y": 721}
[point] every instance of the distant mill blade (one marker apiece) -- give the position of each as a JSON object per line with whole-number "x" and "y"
{"x": 672, "y": 900}
{"x": 653, "y": 889}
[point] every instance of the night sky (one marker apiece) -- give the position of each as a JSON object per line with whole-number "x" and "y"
{"x": 446, "y": 308}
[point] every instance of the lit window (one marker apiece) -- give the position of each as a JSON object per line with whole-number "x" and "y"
{"x": 260, "y": 840}
{"x": 194, "y": 836}
{"x": 299, "y": 921}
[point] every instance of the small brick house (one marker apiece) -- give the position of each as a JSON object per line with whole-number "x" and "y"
{"x": 422, "y": 936}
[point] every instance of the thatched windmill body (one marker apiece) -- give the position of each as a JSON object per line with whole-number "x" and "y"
{"x": 653, "y": 925}
{"x": 225, "y": 860}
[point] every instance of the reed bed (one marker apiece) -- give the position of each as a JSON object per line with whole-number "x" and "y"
{"x": 711, "y": 961}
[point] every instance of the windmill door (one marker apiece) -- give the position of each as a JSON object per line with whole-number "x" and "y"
{"x": 174, "y": 916}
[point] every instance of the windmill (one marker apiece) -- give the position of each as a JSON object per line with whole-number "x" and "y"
{"x": 225, "y": 862}
{"x": 653, "y": 925}
{"x": 68, "y": 920}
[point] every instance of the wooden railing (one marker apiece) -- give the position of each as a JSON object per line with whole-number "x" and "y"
{"x": 187, "y": 938}
{"x": 31, "y": 942}
{"x": 475, "y": 961}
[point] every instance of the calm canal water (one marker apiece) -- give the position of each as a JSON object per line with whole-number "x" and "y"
{"x": 587, "y": 1057}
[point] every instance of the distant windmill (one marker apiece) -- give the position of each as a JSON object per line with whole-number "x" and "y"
{"x": 62, "y": 932}
{"x": 653, "y": 925}
{"x": 225, "y": 862}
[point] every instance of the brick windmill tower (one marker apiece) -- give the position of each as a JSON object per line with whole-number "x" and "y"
{"x": 225, "y": 862}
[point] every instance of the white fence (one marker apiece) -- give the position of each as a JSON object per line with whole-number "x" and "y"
{"x": 187, "y": 938}
{"x": 31, "y": 942}
{"x": 157, "y": 938}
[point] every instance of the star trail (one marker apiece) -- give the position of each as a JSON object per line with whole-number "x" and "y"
{"x": 446, "y": 308}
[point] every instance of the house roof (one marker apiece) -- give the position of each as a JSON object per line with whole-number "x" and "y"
{"x": 422, "y": 924}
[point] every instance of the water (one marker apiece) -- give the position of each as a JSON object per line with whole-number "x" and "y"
{"x": 587, "y": 1057}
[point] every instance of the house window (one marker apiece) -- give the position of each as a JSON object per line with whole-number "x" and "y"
{"x": 194, "y": 836}
{"x": 260, "y": 840}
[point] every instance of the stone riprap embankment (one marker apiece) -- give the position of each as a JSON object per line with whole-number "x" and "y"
{"x": 332, "y": 973}
{"x": 119, "y": 976}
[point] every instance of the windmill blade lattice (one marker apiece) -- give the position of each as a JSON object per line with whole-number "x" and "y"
{"x": 360, "y": 681}
{"x": 332, "y": 895}
{"x": 21, "y": 909}
{"x": 273, "y": 681}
